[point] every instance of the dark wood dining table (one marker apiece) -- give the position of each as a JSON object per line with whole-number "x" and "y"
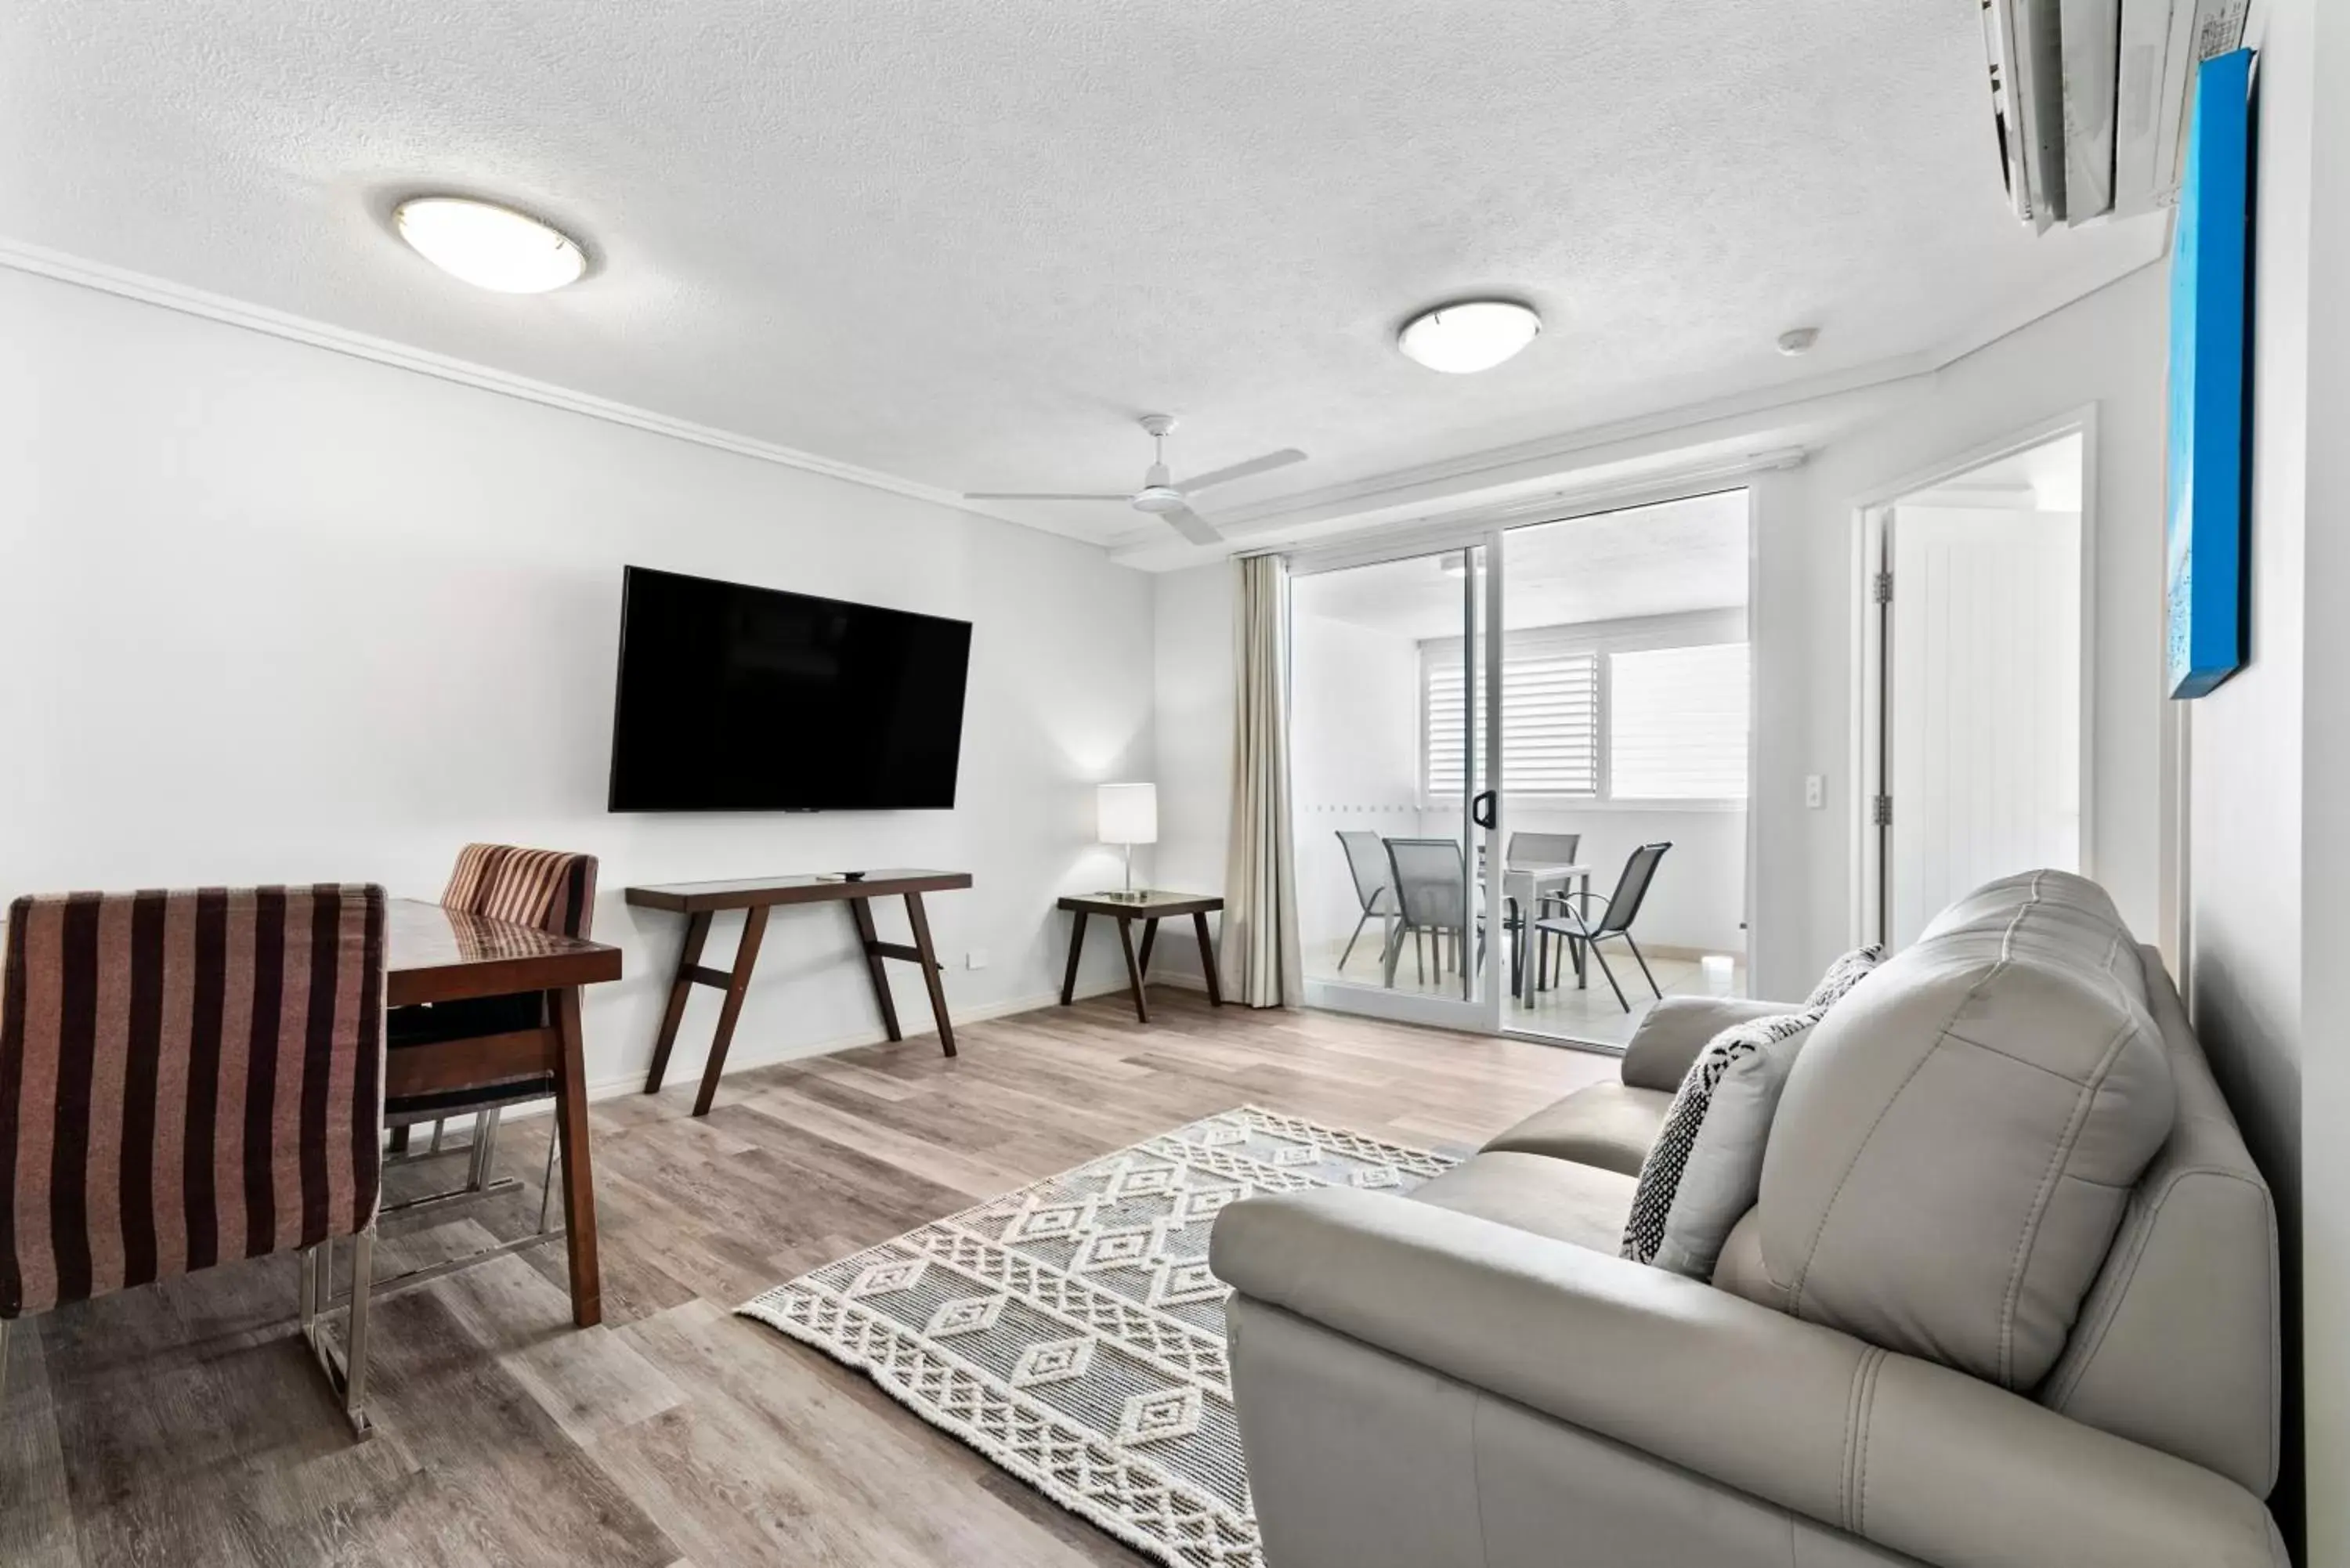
{"x": 437, "y": 954}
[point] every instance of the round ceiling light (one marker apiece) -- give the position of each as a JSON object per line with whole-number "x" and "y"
{"x": 1469, "y": 335}
{"x": 488, "y": 245}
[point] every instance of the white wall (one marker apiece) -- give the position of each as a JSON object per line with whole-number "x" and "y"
{"x": 2323, "y": 1055}
{"x": 1354, "y": 757}
{"x": 2269, "y": 829}
{"x": 282, "y": 614}
{"x": 2106, "y": 349}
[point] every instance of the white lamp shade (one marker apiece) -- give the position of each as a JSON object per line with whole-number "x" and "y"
{"x": 1129, "y": 813}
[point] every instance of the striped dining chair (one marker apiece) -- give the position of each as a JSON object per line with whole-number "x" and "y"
{"x": 552, "y": 890}
{"x": 190, "y": 1079}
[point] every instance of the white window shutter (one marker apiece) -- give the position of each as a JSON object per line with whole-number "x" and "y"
{"x": 1550, "y": 740}
{"x": 1677, "y": 724}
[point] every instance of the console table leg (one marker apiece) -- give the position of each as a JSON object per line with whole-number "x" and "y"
{"x": 1133, "y": 969}
{"x": 1208, "y": 959}
{"x": 1076, "y": 946}
{"x": 697, "y": 931}
{"x": 921, "y": 924}
{"x": 861, "y": 912}
{"x": 746, "y": 955}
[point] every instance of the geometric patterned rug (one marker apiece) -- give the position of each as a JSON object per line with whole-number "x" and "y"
{"x": 1071, "y": 1332}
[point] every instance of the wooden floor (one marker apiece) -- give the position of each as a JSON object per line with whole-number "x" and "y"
{"x": 181, "y": 1425}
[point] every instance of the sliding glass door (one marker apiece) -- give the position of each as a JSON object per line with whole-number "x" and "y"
{"x": 1526, "y": 810}
{"x": 1394, "y": 753}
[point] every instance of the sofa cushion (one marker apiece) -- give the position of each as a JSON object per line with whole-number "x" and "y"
{"x": 1610, "y": 1126}
{"x": 1672, "y": 1032}
{"x": 1553, "y": 1197}
{"x": 2178, "y": 1345}
{"x": 1957, "y": 1139}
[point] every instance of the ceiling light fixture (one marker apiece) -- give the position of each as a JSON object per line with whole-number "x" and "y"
{"x": 1798, "y": 342}
{"x": 488, "y": 245}
{"x": 1468, "y": 334}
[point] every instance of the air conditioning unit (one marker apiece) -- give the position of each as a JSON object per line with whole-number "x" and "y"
{"x": 2089, "y": 100}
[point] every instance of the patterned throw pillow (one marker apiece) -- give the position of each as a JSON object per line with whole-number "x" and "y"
{"x": 1656, "y": 1206}
{"x": 1843, "y": 975}
{"x": 1705, "y": 1169}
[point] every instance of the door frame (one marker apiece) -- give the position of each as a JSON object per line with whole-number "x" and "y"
{"x": 1871, "y": 514}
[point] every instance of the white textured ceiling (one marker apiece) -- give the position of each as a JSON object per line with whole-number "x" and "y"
{"x": 1642, "y": 561}
{"x": 966, "y": 243}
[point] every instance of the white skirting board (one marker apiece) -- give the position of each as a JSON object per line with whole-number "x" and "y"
{"x": 743, "y": 1058}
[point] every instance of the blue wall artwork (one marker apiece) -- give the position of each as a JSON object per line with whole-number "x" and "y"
{"x": 2210, "y": 384}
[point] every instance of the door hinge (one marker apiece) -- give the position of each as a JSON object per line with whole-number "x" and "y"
{"x": 1880, "y": 811}
{"x": 1882, "y": 588}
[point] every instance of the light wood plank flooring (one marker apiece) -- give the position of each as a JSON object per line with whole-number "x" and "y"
{"x": 181, "y": 1425}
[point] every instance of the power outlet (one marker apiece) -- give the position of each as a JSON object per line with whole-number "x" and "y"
{"x": 975, "y": 958}
{"x": 1815, "y": 791}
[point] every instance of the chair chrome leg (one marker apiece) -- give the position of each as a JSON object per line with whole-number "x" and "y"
{"x": 362, "y": 1275}
{"x": 547, "y": 1184}
{"x": 484, "y": 1155}
{"x": 1353, "y": 940}
{"x": 346, "y": 1373}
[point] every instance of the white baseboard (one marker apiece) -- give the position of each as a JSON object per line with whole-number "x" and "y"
{"x": 745, "y": 1055}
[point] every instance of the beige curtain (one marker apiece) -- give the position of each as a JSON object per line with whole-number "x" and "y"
{"x": 1260, "y": 948}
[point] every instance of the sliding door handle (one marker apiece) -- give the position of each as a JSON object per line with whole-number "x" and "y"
{"x": 1482, "y": 808}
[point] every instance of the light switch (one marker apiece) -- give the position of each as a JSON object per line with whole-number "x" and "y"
{"x": 1815, "y": 791}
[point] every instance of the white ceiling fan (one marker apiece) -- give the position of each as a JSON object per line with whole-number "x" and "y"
{"x": 1161, "y": 496}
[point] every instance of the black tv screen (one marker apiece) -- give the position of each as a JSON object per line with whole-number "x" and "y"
{"x": 741, "y": 699}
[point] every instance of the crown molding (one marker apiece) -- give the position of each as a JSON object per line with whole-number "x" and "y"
{"x": 1375, "y": 500}
{"x": 41, "y": 261}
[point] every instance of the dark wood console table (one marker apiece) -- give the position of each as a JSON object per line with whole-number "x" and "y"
{"x": 1149, "y": 907}
{"x": 754, "y": 896}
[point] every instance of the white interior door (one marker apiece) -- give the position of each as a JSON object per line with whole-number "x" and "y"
{"x": 1982, "y": 721}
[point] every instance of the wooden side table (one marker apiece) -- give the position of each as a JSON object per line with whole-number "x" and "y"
{"x": 1149, "y": 907}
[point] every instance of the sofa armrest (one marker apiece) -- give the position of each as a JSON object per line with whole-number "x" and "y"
{"x": 1675, "y": 1030}
{"x": 1913, "y": 1456}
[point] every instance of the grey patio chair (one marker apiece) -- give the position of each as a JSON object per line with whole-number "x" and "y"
{"x": 1623, "y": 907}
{"x": 1367, "y": 859}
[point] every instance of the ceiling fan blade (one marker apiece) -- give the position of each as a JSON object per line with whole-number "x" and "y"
{"x": 1040, "y": 496}
{"x": 1264, "y": 464}
{"x": 1192, "y": 526}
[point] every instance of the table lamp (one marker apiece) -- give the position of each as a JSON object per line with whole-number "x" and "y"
{"x": 1128, "y": 815}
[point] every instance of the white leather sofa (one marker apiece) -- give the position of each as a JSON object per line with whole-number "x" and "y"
{"x": 2009, "y": 1298}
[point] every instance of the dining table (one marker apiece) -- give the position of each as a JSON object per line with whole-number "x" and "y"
{"x": 432, "y": 953}
{"x": 1529, "y": 884}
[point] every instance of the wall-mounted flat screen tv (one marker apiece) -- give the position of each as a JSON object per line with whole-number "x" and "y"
{"x": 742, "y": 699}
